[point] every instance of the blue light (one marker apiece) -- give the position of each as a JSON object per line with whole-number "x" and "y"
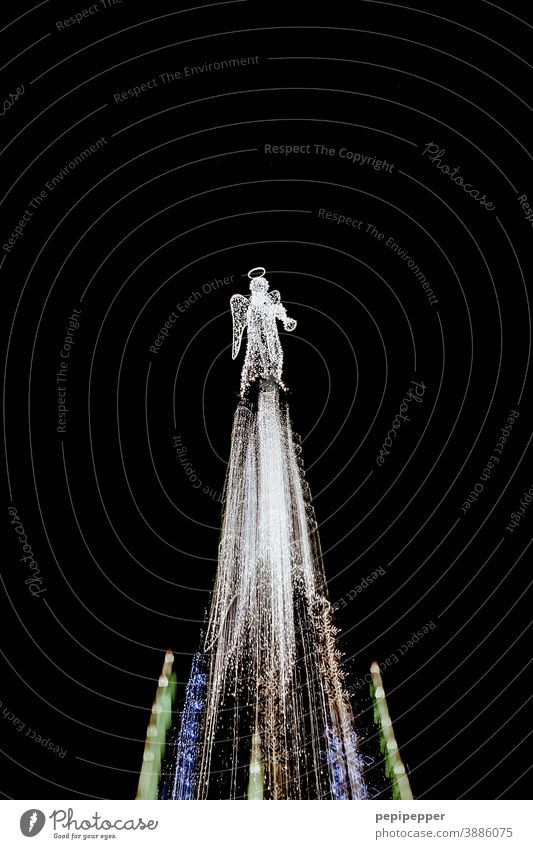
{"x": 187, "y": 746}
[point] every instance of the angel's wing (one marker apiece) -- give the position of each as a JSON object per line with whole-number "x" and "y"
{"x": 274, "y": 296}
{"x": 239, "y": 311}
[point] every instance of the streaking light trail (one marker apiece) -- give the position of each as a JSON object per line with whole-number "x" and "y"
{"x": 156, "y": 733}
{"x": 394, "y": 768}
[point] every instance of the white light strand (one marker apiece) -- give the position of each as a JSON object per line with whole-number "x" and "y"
{"x": 274, "y": 666}
{"x": 277, "y": 722}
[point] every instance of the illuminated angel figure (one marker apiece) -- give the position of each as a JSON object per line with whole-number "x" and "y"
{"x": 264, "y": 356}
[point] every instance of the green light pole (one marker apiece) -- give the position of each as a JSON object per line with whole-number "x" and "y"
{"x": 394, "y": 768}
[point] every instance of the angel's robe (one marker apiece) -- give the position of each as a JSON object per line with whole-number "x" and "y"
{"x": 264, "y": 354}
